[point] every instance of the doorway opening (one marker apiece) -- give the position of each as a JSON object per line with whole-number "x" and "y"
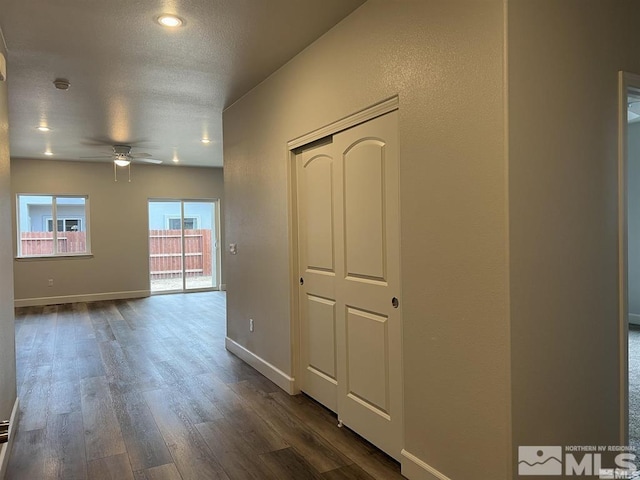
{"x": 183, "y": 245}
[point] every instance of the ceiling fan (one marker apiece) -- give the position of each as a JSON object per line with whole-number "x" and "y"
{"x": 122, "y": 157}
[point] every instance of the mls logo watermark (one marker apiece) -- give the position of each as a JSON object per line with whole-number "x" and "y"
{"x": 577, "y": 461}
{"x": 539, "y": 460}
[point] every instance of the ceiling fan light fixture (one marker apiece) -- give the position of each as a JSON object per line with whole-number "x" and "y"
{"x": 171, "y": 21}
{"x": 121, "y": 162}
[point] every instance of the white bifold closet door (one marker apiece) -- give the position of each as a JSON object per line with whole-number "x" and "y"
{"x": 349, "y": 297}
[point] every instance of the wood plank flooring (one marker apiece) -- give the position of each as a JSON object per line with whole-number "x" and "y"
{"x": 145, "y": 390}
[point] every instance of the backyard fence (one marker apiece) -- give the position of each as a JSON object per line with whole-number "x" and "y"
{"x": 165, "y": 249}
{"x": 165, "y": 253}
{"x": 41, "y": 243}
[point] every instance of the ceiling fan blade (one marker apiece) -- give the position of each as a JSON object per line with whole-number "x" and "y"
{"x": 149, "y": 160}
{"x": 97, "y": 157}
{"x": 140, "y": 155}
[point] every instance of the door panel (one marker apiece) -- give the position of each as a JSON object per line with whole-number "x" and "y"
{"x": 165, "y": 246}
{"x": 315, "y": 175}
{"x": 200, "y": 234}
{"x": 318, "y": 179}
{"x": 364, "y": 216}
{"x": 322, "y": 328}
{"x": 368, "y": 360}
{"x": 369, "y": 345}
{"x": 348, "y": 242}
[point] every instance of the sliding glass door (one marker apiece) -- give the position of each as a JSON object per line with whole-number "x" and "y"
{"x": 165, "y": 246}
{"x": 183, "y": 245}
{"x": 200, "y": 245}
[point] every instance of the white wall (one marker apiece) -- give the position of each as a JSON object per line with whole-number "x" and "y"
{"x": 7, "y": 333}
{"x": 444, "y": 60}
{"x": 564, "y": 57}
{"x": 119, "y": 223}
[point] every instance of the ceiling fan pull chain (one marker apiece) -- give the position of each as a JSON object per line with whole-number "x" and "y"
{"x": 115, "y": 173}
{"x": 129, "y": 172}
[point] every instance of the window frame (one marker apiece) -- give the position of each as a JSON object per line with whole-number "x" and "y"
{"x": 86, "y": 222}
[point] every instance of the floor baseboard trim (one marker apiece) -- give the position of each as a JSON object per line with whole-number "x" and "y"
{"x": 415, "y": 469}
{"x": 89, "y": 297}
{"x": 5, "y": 451}
{"x": 634, "y": 318}
{"x": 274, "y": 374}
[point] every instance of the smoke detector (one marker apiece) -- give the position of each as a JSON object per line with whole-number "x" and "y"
{"x": 62, "y": 83}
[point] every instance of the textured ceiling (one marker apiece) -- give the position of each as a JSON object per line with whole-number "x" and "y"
{"x": 135, "y": 82}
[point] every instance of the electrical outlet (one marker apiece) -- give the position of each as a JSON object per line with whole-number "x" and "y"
{"x": 51, "y": 282}
{"x": 251, "y": 324}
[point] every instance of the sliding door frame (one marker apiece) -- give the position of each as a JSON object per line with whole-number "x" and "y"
{"x": 216, "y": 254}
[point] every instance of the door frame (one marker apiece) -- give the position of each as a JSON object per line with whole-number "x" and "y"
{"x": 626, "y": 82}
{"x": 294, "y": 148}
{"x": 217, "y": 254}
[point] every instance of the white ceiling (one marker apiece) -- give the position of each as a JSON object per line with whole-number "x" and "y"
{"x": 135, "y": 82}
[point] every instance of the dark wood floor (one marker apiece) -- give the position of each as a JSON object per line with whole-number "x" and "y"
{"x": 144, "y": 389}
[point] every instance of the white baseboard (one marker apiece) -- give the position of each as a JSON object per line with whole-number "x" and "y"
{"x": 274, "y": 374}
{"x": 634, "y": 318}
{"x": 5, "y": 451}
{"x": 223, "y": 287}
{"x": 90, "y": 297}
{"x": 415, "y": 469}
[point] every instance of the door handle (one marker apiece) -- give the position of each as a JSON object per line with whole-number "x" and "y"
{"x": 395, "y": 302}
{"x": 301, "y": 281}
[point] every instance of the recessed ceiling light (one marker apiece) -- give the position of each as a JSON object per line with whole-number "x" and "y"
{"x": 48, "y": 153}
{"x": 44, "y": 128}
{"x": 205, "y": 140}
{"x": 171, "y": 21}
{"x": 176, "y": 159}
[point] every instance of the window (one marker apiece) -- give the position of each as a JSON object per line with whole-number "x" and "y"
{"x": 36, "y": 216}
{"x": 65, "y": 224}
{"x": 190, "y": 223}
